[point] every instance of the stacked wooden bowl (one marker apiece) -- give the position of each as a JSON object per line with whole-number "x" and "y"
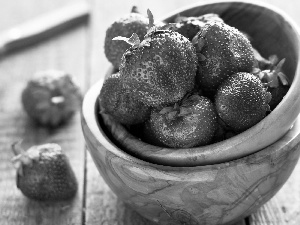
{"x": 218, "y": 183}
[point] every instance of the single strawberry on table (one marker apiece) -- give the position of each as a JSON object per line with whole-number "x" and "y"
{"x": 160, "y": 69}
{"x": 191, "y": 123}
{"x": 44, "y": 172}
{"x": 242, "y": 101}
{"x": 51, "y": 97}
{"x": 222, "y": 51}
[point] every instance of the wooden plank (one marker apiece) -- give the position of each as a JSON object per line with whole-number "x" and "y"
{"x": 66, "y": 52}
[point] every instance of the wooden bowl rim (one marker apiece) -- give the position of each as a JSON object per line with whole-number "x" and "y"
{"x": 89, "y": 119}
{"x": 224, "y": 151}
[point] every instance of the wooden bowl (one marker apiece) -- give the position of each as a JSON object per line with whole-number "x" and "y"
{"x": 216, "y": 184}
{"x": 211, "y": 194}
{"x": 273, "y": 33}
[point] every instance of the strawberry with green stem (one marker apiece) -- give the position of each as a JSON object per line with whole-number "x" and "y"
{"x": 44, "y": 172}
{"x": 160, "y": 69}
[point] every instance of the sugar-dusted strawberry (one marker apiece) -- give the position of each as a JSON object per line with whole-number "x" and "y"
{"x": 190, "y": 26}
{"x": 133, "y": 22}
{"x": 44, "y": 173}
{"x": 242, "y": 101}
{"x": 161, "y": 69}
{"x": 222, "y": 51}
{"x": 192, "y": 123}
{"x": 117, "y": 101}
{"x": 51, "y": 97}
{"x": 275, "y": 80}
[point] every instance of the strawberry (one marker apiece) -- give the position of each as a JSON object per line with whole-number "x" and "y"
{"x": 223, "y": 131}
{"x": 190, "y": 26}
{"x": 242, "y": 101}
{"x": 275, "y": 80}
{"x": 51, "y": 97}
{"x": 222, "y": 51}
{"x": 192, "y": 123}
{"x": 117, "y": 101}
{"x": 133, "y": 22}
{"x": 161, "y": 69}
{"x": 44, "y": 173}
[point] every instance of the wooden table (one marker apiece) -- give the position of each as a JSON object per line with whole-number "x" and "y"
{"x": 79, "y": 51}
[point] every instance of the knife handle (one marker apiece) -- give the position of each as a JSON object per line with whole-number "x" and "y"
{"x": 43, "y": 27}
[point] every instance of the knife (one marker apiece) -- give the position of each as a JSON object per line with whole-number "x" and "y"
{"x": 43, "y": 27}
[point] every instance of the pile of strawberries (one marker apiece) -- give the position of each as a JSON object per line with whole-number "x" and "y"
{"x": 189, "y": 83}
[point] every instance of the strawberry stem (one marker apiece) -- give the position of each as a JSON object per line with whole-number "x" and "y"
{"x": 134, "y": 9}
{"x": 134, "y": 40}
{"x": 151, "y": 18}
{"x": 15, "y": 146}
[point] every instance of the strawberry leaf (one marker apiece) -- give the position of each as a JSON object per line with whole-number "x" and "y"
{"x": 151, "y": 18}
{"x": 283, "y": 78}
{"x": 172, "y": 115}
{"x": 200, "y": 43}
{"x": 166, "y": 110}
{"x": 185, "y": 111}
{"x": 278, "y": 67}
{"x": 255, "y": 71}
{"x": 150, "y": 31}
{"x": 146, "y": 41}
{"x": 134, "y": 40}
{"x": 134, "y": 9}
{"x": 191, "y": 100}
{"x": 168, "y": 26}
{"x": 273, "y": 59}
{"x": 195, "y": 39}
{"x": 201, "y": 57}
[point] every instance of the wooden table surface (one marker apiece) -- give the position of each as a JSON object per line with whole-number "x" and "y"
{"x": 79, "y": 51}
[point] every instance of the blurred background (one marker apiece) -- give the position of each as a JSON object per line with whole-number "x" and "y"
{"x": 103, "y": 13}
{"x": 80, "y": 52}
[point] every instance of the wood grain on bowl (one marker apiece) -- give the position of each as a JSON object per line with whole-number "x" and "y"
{"x": 216, "y": 184}
{"x": 212, "y": 194}
{"x": 272, "y": 32}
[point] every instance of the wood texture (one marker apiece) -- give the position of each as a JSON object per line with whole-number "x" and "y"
{"x": 80, "y": 51}
{"x": 212, "y": 194}
{"x": 16, "y": 69}
{"x": 101, "y": 20}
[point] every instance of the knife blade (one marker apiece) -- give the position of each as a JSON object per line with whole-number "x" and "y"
{"x": 43, "y": 27}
